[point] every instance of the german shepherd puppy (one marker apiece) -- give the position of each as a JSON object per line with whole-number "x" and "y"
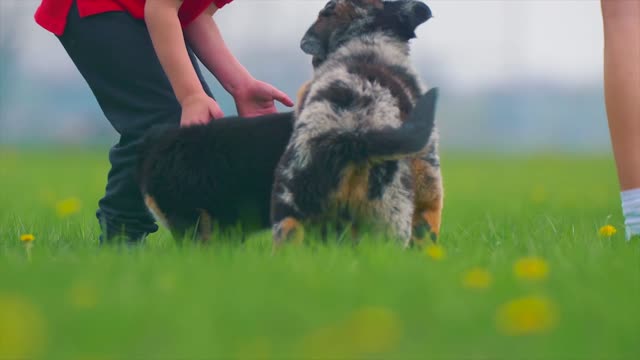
{"x": 220, "y": 173}
{"x": 364, "y": 145}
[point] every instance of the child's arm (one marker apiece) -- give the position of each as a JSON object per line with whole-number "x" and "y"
{"x": 161, "y": 17}
{"x": 252, "y": 97}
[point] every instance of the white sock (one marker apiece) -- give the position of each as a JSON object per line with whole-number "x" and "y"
{"x": 631, "y": 211}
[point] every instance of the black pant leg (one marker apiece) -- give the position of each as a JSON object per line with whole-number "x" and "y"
{"x": 115, "y": 55}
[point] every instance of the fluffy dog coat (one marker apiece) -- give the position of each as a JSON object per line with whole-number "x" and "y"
{"x": 358, "y": 153}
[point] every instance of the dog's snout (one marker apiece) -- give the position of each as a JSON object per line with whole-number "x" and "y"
{"x": 417, "y": 12}
{"x": 307, "y": 46}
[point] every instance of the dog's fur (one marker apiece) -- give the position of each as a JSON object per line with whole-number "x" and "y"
{"x": 220, "y": 173}
{"x": 357, "y": 153}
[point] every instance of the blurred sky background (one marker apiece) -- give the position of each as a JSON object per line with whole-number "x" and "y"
{"x": 515, "y": 75}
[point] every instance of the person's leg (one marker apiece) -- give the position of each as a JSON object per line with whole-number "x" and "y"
{"x": 621, "y": 20}
{"x": 114, "y": 54}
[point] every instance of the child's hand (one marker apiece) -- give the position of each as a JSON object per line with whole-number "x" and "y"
{"x": 258, "y": 99}
{"x": 199, "y": 109}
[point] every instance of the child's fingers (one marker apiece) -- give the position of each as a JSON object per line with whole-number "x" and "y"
{"x": 215, "y": 111}
{"x": 282, "y": 97}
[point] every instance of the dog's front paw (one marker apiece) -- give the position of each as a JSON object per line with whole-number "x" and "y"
{"x": 288, "y": 230}
{"x": 425, "y": 229}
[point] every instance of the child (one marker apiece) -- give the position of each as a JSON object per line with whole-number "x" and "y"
{"x": 139, "y": 59}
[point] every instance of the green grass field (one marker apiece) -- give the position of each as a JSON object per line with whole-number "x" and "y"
{"x": 521, "y": 273}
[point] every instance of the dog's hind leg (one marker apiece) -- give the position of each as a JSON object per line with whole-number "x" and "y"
{"x": 174, "y": 223}
{"x": 285, "y": 220}
{"x": 396, "y": 207}
{"x": 191, "y": 225}
{"x": 427, "y": 216}
{"x": 287, "y": 230}
{"x": 155, "y": 210}
{"x": 426, "y": 224}
{"x": 183, "y": 226}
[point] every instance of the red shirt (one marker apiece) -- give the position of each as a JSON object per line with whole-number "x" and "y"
{"x": 52, "y": 14}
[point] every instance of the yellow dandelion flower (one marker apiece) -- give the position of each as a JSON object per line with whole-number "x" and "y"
{"x": 27, "y": 238}
{"x": 477, "y": 278}
{"x": 376, "y": 330}
{"x": 526, "y": 316}
{"x": 368, "y": 331}
{"x": 435, "y": 252}
{"x": 68, "y": 207}
{"x": 607, "y": 231}
{"x": 22, "y": 328}
{"x": 531, "y": 268}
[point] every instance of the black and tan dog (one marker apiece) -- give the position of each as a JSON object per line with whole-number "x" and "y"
{"x": 358, "y": 152}
{"x": 220, "y": 173}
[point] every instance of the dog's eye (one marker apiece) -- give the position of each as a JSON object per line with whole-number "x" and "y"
{"x": 328, "y": 9}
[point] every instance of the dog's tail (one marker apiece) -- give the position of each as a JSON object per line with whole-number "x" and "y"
{"x": 384, "y": 144}
{"x": 411, "y": 137}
